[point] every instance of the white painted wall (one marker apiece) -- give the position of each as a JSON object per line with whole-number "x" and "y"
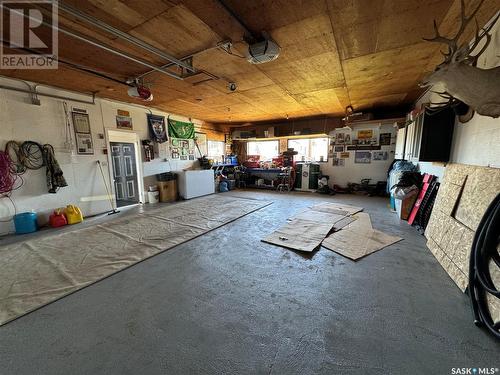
{"x": 476, "y": 142}
{"x": 354, "y": 172}
{"x": 20, "y": 120}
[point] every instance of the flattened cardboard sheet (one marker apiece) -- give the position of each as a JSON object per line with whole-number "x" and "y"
{"x": 306, "y": 230}
{"x": 343, "y": 222}
{"x": 319, "y": 216}
{"x": 337, "y": 208}
{"x": 300, "y": 234}
{"x": 358, "y": 239}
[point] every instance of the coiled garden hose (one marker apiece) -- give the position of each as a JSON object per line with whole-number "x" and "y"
{"x": 484, "y": 250}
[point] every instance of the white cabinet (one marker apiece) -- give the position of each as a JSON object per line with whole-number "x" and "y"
{"x": 400, "y": 144}
{"x": 413, "y": 139}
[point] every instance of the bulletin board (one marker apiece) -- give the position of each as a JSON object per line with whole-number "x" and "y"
{"x": 83, "y": 135}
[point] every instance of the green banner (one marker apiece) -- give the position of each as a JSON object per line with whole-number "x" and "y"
{"x": 178, "y": 129}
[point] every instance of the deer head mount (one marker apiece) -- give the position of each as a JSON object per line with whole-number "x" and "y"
{"x": 462, "y": 80}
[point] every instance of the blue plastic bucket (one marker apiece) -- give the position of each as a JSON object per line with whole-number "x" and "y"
{"x": 223, "y": 187}
{"x": 25, "y": 222}
{"x": 393, "y": 203}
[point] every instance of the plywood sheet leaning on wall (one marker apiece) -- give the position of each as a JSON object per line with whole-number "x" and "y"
{"x": 464, "y": 195}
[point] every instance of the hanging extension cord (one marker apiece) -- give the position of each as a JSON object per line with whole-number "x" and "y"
{"x": 484, "y": 250}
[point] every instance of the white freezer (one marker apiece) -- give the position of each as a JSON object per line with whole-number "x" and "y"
{"x": 196, "y": 183}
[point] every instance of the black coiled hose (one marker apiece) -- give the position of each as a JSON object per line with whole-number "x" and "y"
{"x": 484, "y": 249}
{"x": 32, "y": 155}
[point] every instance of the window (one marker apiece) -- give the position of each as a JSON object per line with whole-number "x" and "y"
{"x": 215, "y": 150}
{"x": 310, "y": 149}
{"x": 266, "y": 149}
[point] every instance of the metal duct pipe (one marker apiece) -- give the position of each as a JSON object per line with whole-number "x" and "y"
{"x": 100, "y": 45}
{"x": 125, "y": 36}
{"x": 190, "y": 56}
{"x": 31, "y": 92}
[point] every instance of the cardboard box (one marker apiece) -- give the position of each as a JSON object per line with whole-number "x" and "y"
{"x": 405, "y": 197}
{"x": 168, "y": 190}
{"x": 405, "y": 205}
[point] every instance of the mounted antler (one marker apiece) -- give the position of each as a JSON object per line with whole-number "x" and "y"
{"x": 467, "y": 49}
{"x": 458, "y": 73}
{"x": 453, "y": 42}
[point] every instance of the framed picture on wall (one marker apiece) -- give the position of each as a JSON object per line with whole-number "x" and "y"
{"x": 339, "y": 148}
{"x": 380, "y": 155}
{"x": 363, "y": 157}
{"x": 342, "y": 136}
{"x": 84, "y": 145}
{"x": 124, "y": 122}
{"x": 365, "y": 134}
{"x": 283, "y": 145}
{"x": 201, "y": 141}
{"x": 338, "y": 162}
{"x": 339, "y": 139}
{"x": 385, "y": 139}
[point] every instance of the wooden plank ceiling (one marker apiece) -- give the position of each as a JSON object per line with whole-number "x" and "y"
{"x": 334, "y": 53}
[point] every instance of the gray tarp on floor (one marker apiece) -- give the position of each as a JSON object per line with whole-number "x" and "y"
{"x": 36, "y": 272}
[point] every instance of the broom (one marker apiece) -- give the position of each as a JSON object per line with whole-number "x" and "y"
{"x": 113, "y": 209}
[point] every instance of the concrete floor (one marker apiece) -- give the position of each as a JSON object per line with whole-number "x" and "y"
{"x": 227, "y": 303}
